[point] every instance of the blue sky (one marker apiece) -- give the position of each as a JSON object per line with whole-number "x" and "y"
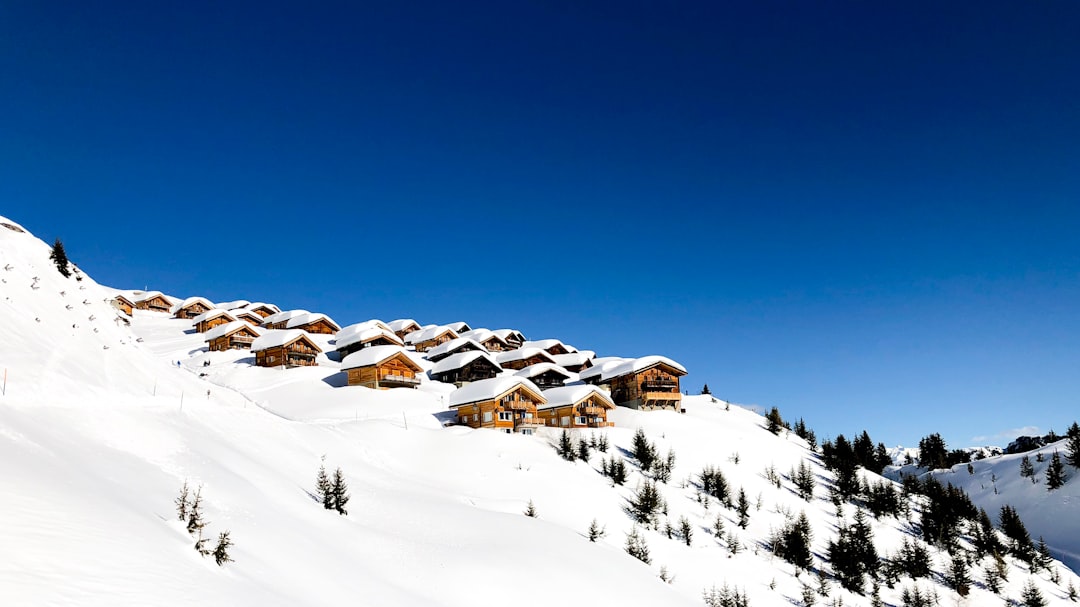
{"x": 866, "y": 216}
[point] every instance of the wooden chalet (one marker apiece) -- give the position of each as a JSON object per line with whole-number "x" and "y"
{"x": 247, "y": 316}
{"x": 153, "y": 301}
{"x": 262, "y": 309}
{"x": 320, "y": 324}
{"x": 382, "y": 367}
{"x": 210, "y": 319}
{"x": 546, "y": 375}
{"x": 576, "y": 407}
{"x": 650, "y": 382}
{"x": 192, "y": 307}
{"x": 356, "y": 340}
{"x": 122, "y": 303}
{"x": 454, "y": 346}
{"x": 459, "y": 327}
{"x": 429, "y": 337}
{"x": 280, "y": 320}
{"x": 505, "y": 403}
{"x": 514, "y": 339}
{"x": 465, "y": 367}
{"x": 292, "y": 348}
{"x": 575, "y": 362}
{"x": 236, "y": 335}
{"x": 551, "y": 346}
{"x": 523, "y": 357}
{"x": 489, "y": 339}
{"x": 403, "y": 326}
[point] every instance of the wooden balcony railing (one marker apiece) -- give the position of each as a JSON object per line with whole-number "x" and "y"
{"x": 399, "y": 379}
{"x": 659, "y": 385}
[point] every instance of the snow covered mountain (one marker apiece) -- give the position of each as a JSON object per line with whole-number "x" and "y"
{"x": 102, "y": 422}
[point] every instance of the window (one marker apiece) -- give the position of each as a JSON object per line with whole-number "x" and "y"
{"x": 506, "y": 416}
{"x": 564, "y": 420}
{"x": 508, "y": 431}
{"x": 526, "y": 431}
{"x": 475, "y": 417}
{"x": 487, "y": 416}
{"x": 582, "y": 421}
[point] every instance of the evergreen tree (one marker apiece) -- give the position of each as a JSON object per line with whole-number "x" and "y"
{"x": 881, "y": 458}
{"x": 566, "y": 446}
{"x": 636, "y": 546}
{"x": 59, "y": 257}
{"x": 617, "y": 470}
{"x": 1043, "y": 559}
{"x": 774, "y": 423}
{"x": 853, "y": 555}
{"x": 1014, "y": 529}
{"x": 645, "y": 503}
{"x": 912, "y": 560}
{"x": 221, "y": 551}
{"x": 596, "y": 531}
{"x": 530, "y": 511}
{"x": 195, "y": 522}
{"x": 743, "y": 509}
{"x": 200, "y": 545}
{"x": 958, "y": 577}
{"x": 804, "y": 481}
{"x": 182, "y": 503}
{"x": 715, "y": 484}
{"x": 1026, "y": 469}
{"x": 662, "y": 467}
{"x": 882, "y": 499}
{"x": 933, "y": 453}
{"x": 792, "y": 543}
{"x": 984, "y": 537}
{"x": 686, "y": 531}
{"x": 863, "y": 449}
{"x": 602, "y": 443}
{"x": 1072, "y": 446}
{"x": 705, "y": 389}
{"x": 644, "y": 451}
{"x": 1055, "y": 473}
{"x": 583, "y": 450}
{"x": 1031, "y": 597}
{"x": 340, "y": 492}
{"x": 323, "y": 488}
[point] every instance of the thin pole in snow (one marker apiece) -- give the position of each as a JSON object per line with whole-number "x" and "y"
{"x": 181, "y": 401}
{"x": 155, "y": 388}
{"x": 5, "y": 382}
{"x": 405, "y": 419}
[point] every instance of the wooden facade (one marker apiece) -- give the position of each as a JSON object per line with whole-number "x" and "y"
{"x": 520, "y": 363}
{"x": 475, "y": 370}
{"x": 398, "y": 371}
{"x": 377, "y": 339}
{"x": 551, "y": 378}
{"x": 300, "y": 352}
{"x": 263, "y": 310}
{"x": 217, "y": 320}
{"x": 238, "y": 339}
{"x": 513, "y": 411}
{"x": 191, "y": 310}
{"x": 157, "y": 303}
{"x": 494, "y": 343}
{"x": 322, "y": 326}
{"x": 655, "y": 387}
{"x": 123, "y": 304}
{"x": 407, "y": 328}
{"x": 590, "y": 412}
{"x": 439, "y": 339}
{"x": 247, "y": 316}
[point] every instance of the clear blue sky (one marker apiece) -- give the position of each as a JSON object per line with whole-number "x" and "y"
{"x": 866, "y": 216}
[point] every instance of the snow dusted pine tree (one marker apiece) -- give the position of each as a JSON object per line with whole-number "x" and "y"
{"x": 182, "y": 503}
{"x": 59, "y": 257}
{"x": 221, "y": 551}
{"x": 340, "y": 492}
{"x": 1072, "y": 446}
{"x": 1055, "y": 473}
{"x": 323, "y": 489}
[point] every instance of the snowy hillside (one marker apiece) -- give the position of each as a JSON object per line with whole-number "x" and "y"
{"x": 100, "y": 427}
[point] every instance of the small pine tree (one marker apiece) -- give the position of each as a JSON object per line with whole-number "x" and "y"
{"x": 804, "y": 481}
{"x": 340, "y": 491}
{"x": 1055, "y": 473}
{"x": 530, "y": 511}
{"x": 602, "y": 443}
{"x": 1043, "y": 559}
{"x": 662, "y": 468}
{"x": 636, "y": 547}
{"x": 323, "y": 488}
{"x": 1014, "y": 529}
{"x": 686, "y": 531}
{"x": 583, "y": 450}
{"x": 774, "y": 423}
{"x": 1072, "y": 446}
{"x": 1026, "y": 469}
{"x": 1071, "y": 592}
{"x": 958, "y": 577}
{"x": 645, "y": 503}
{"x": 665, "y": 576}
{"x": 221, "y": 551}
{"x": 743, "y": 508}
{"x": 59, "y": 257}
{"x": 705, "y": 389}
{"x": 596, "y": 531}
{"x": 644, "y": 451}
{"x": 566, "y": 446}
{"x": 200, "y": 545}
{"x": 1031, "y": 597}
{"x": 195, "y": 522}
{"x": 718, "y": 527}
{"x": 182, "y": 503}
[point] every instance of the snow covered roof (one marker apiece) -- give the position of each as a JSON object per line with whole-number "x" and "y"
{"x": 573, "y": 359}
{"x": 540, "y": 368}
{"x": 402, "y": 324}
{"x": 509, "y": 333}
{"x": 452, "y": 345}
{"x": 284, "y": 316}
{"x": 232, "y": 305}
{"x": 490, "y": 389}
{"x": 459, "y": 360}
{"x": 363, "y": 335}
{"x": 242, "y": 313}
{"x": 522, "y": 354}
{"x": 428, "y": 333}
{"x": 376, "y": 355}
{"x": 459, "y": 327}
{"x": 281, "y": 337}
{"x": 212, "y": 313}
{"x": 255, "y": 305}
{"x": 600, "y": 366}
{"x": 544, "y": 344}
{"x": 310, "y": 318}
{"x": 612, "y": 367}
{"x": 190, "y": 301}
{"x": 148, "y": 295}
{"x": 572, "y": 395}
{"x": 229, "y": 329}
{"x": 127, "y": 298}
{"x": 483, "y": 335}
{"x": 363, "y": 326}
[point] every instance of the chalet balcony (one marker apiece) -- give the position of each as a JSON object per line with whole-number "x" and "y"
{"x": 297, "y": 358}
{"x": 399, "y": 380}
{"x": 590, "y": 410}
{"x": 660, "y": 385}
{"x": 544, "y": 384}
{"x": 515, "y": 405}
{"x": 528, "y": 421}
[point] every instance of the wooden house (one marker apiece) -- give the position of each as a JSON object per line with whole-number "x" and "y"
{"x": 598, "y": 373}
{"x": 514, "y": 339}
{"x": 237, "y": 304}
{"x": 650, "y": 382}
{"x": 210, "y": 319}
{"x": 523, "y": 357}
{"x": 465, "y": 367}
{"x": 247, "y": 316}
{"x": 505, "y": 403}
{"x": 575, "y": 362}
{"x": 576, "y": 407}
{"x": 403, "y": 326}
{"x": 291, "y": 348}
{"x": 429, "y": 337}
{"x": 551, "y": 346}
{"x": 320, "y": 324}
{"x": 153, "y": 301}
{"x": 382, "y": 367}
{"x": 192, "y": 307}
{"x": 459, "y": 327}
{"x": 262, "y": 309}
{"x": 488, "y": 339}
{"x": 546, "y": 375}
{"x": 236, "y": 335}
{"x": 122, "y": 303}
{"x": 356, "y": 340}
{"x": 280, "y": 320}
{"x": 454, "y": 346}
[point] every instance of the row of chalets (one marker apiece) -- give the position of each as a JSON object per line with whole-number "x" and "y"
{"x": 503, "y": 380}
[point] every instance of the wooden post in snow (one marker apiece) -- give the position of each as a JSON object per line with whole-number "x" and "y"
{"x": 405, "y": 419}
{"x": 181, "y": 401}
{"x": 5, "y": 382}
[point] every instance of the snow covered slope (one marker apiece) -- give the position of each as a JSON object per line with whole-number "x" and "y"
{"x": 99, "y": 430}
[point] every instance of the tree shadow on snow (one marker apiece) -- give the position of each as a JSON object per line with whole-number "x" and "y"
{"x": 337, "y": 380}
{"x": 446, "y": 418}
